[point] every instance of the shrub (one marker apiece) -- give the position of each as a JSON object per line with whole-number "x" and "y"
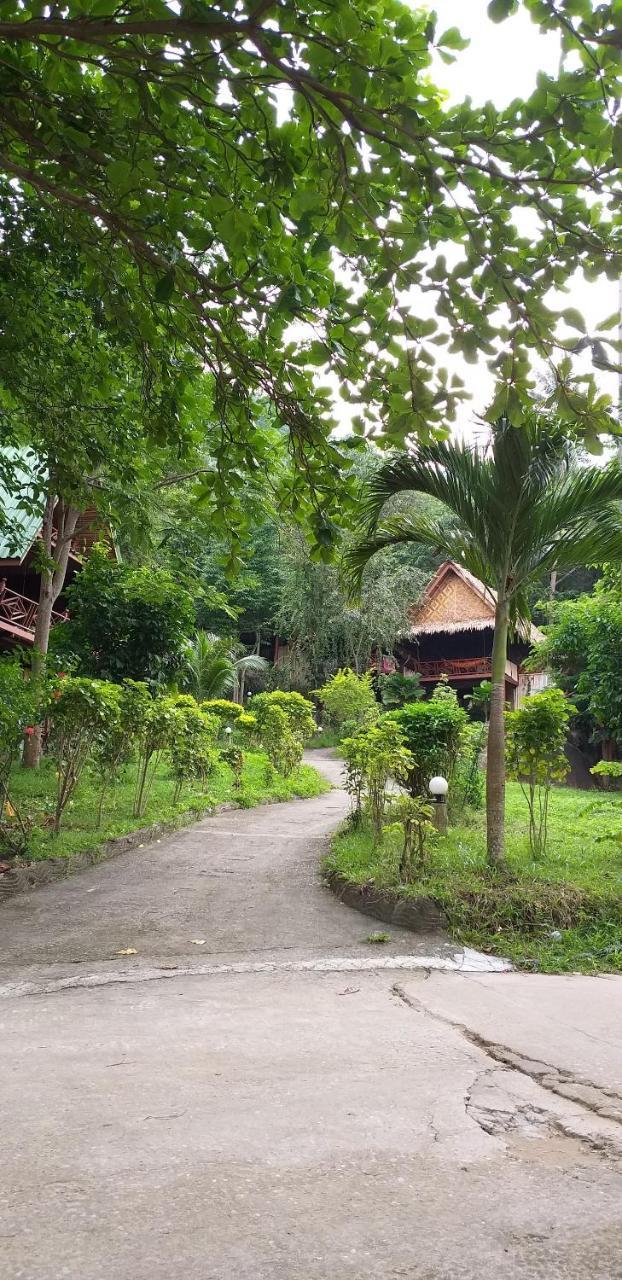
{"x": 433, "y": 732}
{"x": 396, "y": 690}
{"x": 86, "y": 716}
{"x": 298, "y": 711}
{"x": 535, "y": 740}
{"x": 192, "y": 750}
{"x": 161, "y": 722}
{"x": 283, "y": 746}
{"x": 347, "y": 697}
{"x": 247, "y": 729}
{"x": 468, "y": 781}
{"x": 227, "y": 712}
{"x": 412, "y": 816}
{"x": 21, "y": 706}
{"x": 374, "y": 756}
{"x": 113, "y": 747}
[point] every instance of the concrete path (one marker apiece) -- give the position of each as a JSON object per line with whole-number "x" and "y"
{"x": 270, "y": 1123}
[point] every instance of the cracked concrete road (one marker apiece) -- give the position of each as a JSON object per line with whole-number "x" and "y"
{"x": 301, "y": 1124}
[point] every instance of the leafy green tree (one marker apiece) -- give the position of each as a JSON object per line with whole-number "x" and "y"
{"x": 73, "y": 399}
{"x": 216, "y": 164}
{"x": 85, "y": 713}
{"x": 373, "y": 756}
{"x": 127, "y": 622}
{"x": 328, "y": 630}
{"x": 520, "y": 506}
{"x": 583, "y": 647}
{"x": 349, "y": 699}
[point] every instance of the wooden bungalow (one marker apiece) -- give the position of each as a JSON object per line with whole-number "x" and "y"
{"x": 19, "y": 574}
{"x": 451, "y": 634}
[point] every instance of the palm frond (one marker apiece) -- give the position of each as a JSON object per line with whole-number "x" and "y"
{"x": 394, "y": 531}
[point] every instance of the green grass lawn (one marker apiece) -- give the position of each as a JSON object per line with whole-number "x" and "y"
{"x": 575, "y": 892}
{"x": 34, "y": 791}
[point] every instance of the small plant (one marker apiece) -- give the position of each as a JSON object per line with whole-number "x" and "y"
{"x": 374, "y": 756}
{"x": 234, "y": 758}
{"x": 378, "y": 939}
{"x": 413, "y": 818}
{"x": 535, "y": 740}
{"x": 227, "y": 713}
{"x": 347, "y": 697}
{"x": 161, "y": 723}
{"x": 113, "y": 747}
{"x": 282, "y": 745}
{"x": 478, "y": 700}
{"x": 397, "y": 690}
{"x": 86, "y": 715}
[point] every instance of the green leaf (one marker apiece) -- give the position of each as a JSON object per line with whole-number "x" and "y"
{"x": 453, "y": 39}
{"x": 498, "y": 10}
{"x": 165, "y": 287}
{"x": 574, "y": 318}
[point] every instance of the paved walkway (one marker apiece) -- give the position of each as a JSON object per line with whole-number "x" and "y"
{"x": 268, "y": 1119}
{"x": 243, "y": 884}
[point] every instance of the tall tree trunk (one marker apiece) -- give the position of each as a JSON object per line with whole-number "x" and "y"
{"x": 495, "y": 762}
{"x": 53, "y": 573}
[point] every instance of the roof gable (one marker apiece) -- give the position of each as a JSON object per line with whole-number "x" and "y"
{"x": 454, "y": 601}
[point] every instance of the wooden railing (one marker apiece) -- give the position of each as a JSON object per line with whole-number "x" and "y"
{"x": 21, "y": 612}
{"x": 460, "y": 669}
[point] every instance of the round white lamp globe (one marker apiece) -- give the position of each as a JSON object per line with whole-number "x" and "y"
{"x": 438, "y": 787}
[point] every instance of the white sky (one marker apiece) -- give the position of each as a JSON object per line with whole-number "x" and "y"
{"x": 500, "y": 64}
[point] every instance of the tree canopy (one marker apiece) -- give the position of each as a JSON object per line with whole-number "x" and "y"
{"x": 229, "y": 170}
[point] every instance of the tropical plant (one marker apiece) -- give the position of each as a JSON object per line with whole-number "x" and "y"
{"x": 211, "y": 671}
{"x": 478, "y": 699}
{"x": 162, "y": 723}
{"x": 536, "y": 737}
{"x": 349, "y": 699}
{"x": 522, "y": 505}
{"x": 397, "y": 689}
{"x": 127, "y": 622}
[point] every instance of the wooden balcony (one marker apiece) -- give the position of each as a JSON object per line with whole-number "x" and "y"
{"x": 471, "y": 669}
{"x": 18, "y": 614}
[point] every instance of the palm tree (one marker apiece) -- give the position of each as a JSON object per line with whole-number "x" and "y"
{"x": 518, "y": 507}
{"x": 211, "y": 672}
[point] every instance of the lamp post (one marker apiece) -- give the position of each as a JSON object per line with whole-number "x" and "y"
{"x": 228, "y": 732}
{"x": 438, "y": 788}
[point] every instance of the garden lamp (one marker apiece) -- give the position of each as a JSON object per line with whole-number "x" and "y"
{"x": 438, "y": 788}
{"x": 228, "y": 732}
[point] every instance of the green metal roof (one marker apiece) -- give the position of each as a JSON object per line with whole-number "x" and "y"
{"x": 21, "y": 509}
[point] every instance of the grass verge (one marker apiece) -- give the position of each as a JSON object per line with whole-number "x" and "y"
{"x": 34, "y": 791}
{"x": 560, "y": 914}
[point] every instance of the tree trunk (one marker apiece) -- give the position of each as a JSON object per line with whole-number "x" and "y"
{"x": 495, "y": 764}
{"x": 53, "y": 572}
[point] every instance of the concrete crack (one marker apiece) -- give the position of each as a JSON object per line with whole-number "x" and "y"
{"x": 601, "y": 1101}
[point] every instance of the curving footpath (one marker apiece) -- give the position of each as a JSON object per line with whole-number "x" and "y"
{"x": 256, "y": 1093}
